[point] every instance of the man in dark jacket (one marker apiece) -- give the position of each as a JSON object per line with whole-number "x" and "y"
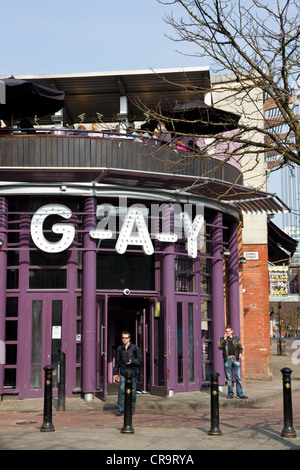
{"x": 129, "y": 358}
{"x": 232, "y": 353}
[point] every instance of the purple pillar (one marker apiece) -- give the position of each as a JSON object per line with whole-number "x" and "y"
{"x": 168, "y": 291}
{"x": 3, "y": 268}
{"x": 217, "y": 295}
{"x": 233, "y": 279}
{"x": 89, "y": 302}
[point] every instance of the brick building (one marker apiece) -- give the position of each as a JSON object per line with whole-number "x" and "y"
{"x": 255, "y": 233}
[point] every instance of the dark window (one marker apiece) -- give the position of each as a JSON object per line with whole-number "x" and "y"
{"x": 12, "y": 278}
{"x": 10, "y": 378}
{"x": 47, "y": 279}
{"x": 12, "y": 306}
{"x": 134, "y": 271}
{"x": 40, "y": 258}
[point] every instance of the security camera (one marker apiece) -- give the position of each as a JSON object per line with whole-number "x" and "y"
{"x": 126, "y": 291}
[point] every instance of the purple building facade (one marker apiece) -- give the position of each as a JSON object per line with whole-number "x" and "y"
{"x": 81, "y": 270}
{"x": 100, "y": 234}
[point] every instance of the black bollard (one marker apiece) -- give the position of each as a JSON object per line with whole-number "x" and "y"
{"x": 127, "y": 427}
{"x": 47, "y": 425}
{"x": 61, "y": 385}
{"x": 288, "y": 429}
{"x": 214, "y": 405}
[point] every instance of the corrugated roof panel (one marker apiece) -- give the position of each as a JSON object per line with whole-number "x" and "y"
{"x": 100, "y": 92}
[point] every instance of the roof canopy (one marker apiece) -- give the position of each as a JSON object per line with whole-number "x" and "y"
{"x": 281, "y": 246}
{"x": 92, "y": 93}
{"x": 246, "y": 200}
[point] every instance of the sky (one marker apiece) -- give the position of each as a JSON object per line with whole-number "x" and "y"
{"x": 71, "y": 36}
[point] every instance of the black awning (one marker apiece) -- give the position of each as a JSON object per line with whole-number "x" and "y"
{"x": 281, "y": 246}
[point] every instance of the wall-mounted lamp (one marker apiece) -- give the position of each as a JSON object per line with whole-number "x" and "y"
{"x": 242, "y": 260}
{"x": 225, "y": 252}
{"x": 1, "y": 242}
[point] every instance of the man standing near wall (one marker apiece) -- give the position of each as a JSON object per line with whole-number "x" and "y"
{"x": 232, "y": 353}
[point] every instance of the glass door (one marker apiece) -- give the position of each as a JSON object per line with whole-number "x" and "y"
{"x": 46, "y": 336}
{"x": 142, "y": 341}
{"x": 101, "y": 391}
{"x": 188, "y": 344}
{"x": 159, "y": 349}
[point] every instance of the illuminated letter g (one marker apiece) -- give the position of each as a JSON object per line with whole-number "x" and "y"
{"x": 67, "y": 230}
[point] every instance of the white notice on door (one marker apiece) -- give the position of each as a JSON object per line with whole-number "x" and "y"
{"x": 56, "y": 332}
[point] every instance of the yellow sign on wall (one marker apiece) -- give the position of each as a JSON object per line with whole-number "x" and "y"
{"x": 279, "y": 282}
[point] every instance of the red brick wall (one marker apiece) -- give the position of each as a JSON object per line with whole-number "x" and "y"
{"x": 255, "y": 307}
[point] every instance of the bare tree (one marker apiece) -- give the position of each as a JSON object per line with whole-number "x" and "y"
{"x": 255, "y": 44}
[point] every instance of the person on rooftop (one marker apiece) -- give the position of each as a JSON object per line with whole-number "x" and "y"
{"x": 95, "y": 131}
{"x": 80, "y": 130}
{"x": 26, "y": 126}
{"x": 161, "y": 133}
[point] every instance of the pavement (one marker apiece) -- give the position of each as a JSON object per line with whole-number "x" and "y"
{"x": 164, "y": 428}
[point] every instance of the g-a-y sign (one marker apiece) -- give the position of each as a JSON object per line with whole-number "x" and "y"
{"x": 133, "y": 230}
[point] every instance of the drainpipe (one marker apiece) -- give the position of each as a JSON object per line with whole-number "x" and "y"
{"x": 3, "y": 269}
{"x": 89, "y": 302}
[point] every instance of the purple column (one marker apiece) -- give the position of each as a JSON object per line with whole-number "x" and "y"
{"x": 233, "y": 279}
{"x": 168, "y": 290}
{"x": 89, "y": 302}
{"x": 218, "y": 319}
{"x": 3, "y": 268}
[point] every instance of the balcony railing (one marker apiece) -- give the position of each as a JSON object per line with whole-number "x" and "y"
{"x": 60, "y": 148}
